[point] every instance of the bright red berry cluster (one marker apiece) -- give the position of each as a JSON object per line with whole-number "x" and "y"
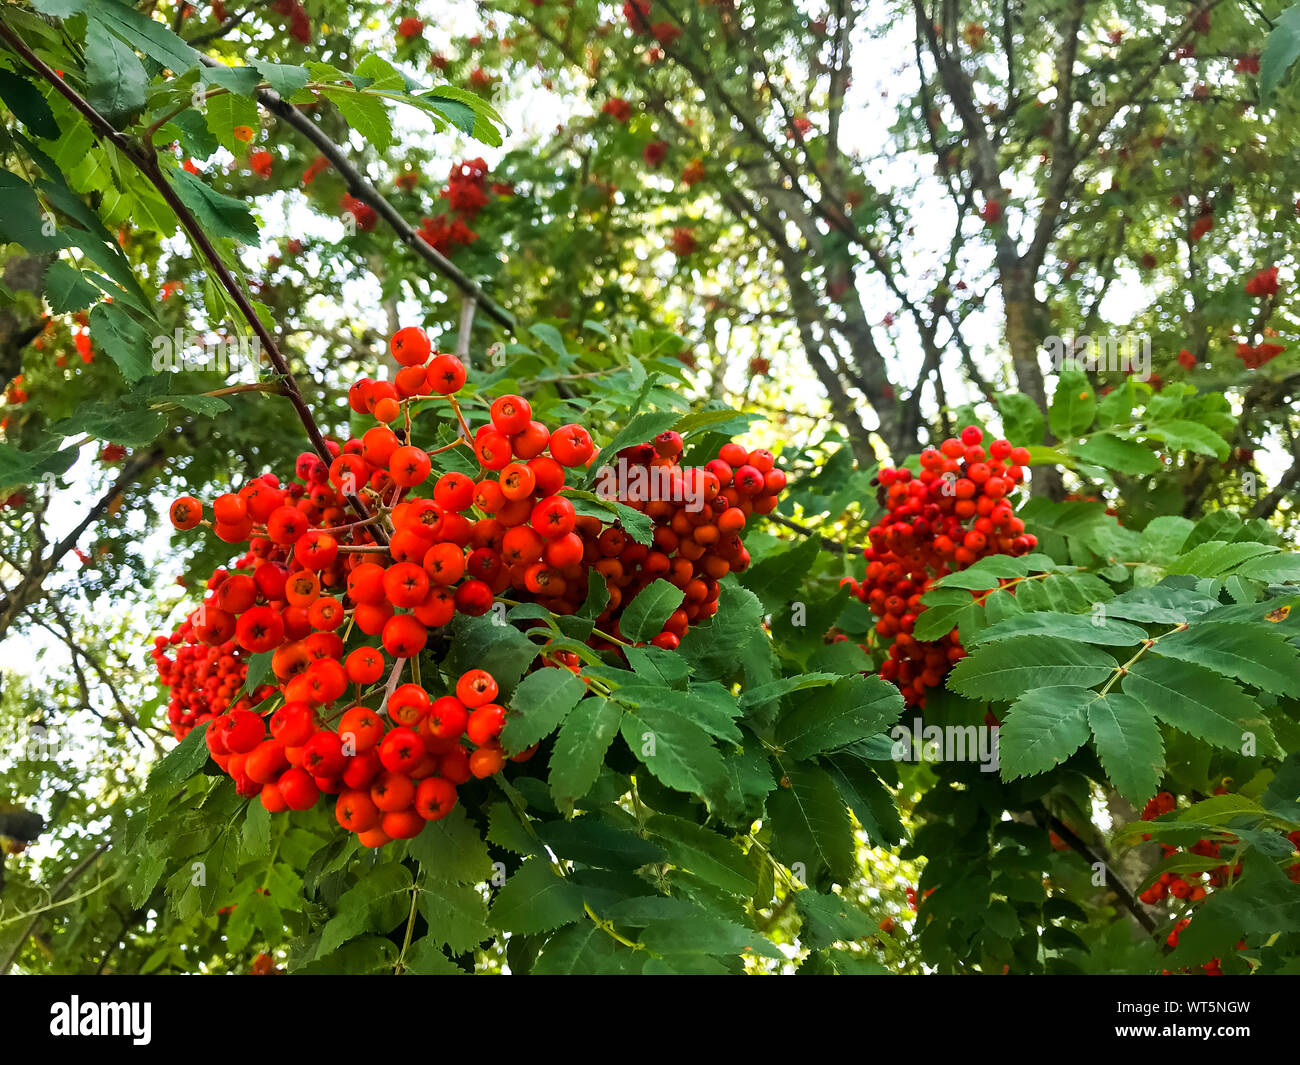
{"x": 1264, "y": 283}
{"x": 393, "y": 769}
{"x": 348, "y": 569}
{"x": 466, "y": 194}
{"x": 955, "y": 511}
{"x": 202, "y": 679}
{"x": 1174, "y": 885}
{"x": 1253, "y": 356}
{"x": 698, "y": 514}
{"x": 299, "y": 23}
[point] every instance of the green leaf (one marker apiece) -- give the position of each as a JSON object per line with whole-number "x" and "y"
{"x": 586, "y": 950}
{"x": 363, "y": 956}
{"x": 1083, "y": 628}
{"x": 132, "y": 428}
{"x": 709, "y": 706}
{"x": 145, "y": 35}
{"x": 580, "y": 748}
{"x": 218, "y": 214}
{"x": 239, "y": 81}
{"x": 60, "y": 8}
{"x": 22, "y": 467}
{"x": 1280, "y": 51}
{"x": 936, "y": 620}
{"x": 1182, "y": 435}
{"x": 550, "y": 336}
{"x": 1116, "y": 453}
{"x": 830, "y": 919}
{"x": 1074, "y": 406}
{"x": 425, "y": 957}
{"x": 504, "y": 651}
{"x": 285, "y": 79}
{"x": 256, "y": 839}
{"x": 866, "y": 795}
{"x": 364, "y": 113}
{"x": 706, "y": 934}
{"x": 1042, "y": 729}
{"x": 452, "y": 850}
{"x": 456, "y": 914}
{"x": 377, "y": 903}
{"x": 28, "y": 105}
{"x": 985, "y": 573}
{"x": 116, "y": 82}
{"x": 1277, "y": 569}
{"x": 699, "y": 850}
{"x": 259, "y": 668}
{"x": 225, "y": 112}
{"x": 179, "y": 764}
{"x": 765, "y": 694}
{"x": 66, "y": 289}
{"x": 643, "y": 618}
{"x": 22, "y": 218}
{"x": 538, "y": 706}
{"x": 1165, "y": 535}
{"x": 1129, "y": 745}
{"x": 644, "y": 426}
{"x": 779, "y": 578}
{"x": 854, "y": 709}
{"x": 1003, "y": 671}
{"x": 810, "y": 823}
{"x": 726, "y": 419}
{"x": 1163, "y": 604}
{"x": 208, "y": 406}
{"x": 117, "y": 333}
{"x": 635, "y": 523}
{"x": 677, "y": 751}
{"x": 1021, "y": 418}
{"x": 536, "y": 899}
{"x": 1197, "y": 702}
{"x": 1258, "y": 654}
{"x": 1217, "y": 557}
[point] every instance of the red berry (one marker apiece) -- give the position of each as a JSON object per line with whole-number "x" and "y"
{"x": 410, "y": 346}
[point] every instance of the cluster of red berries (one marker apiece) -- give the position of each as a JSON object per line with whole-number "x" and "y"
{"x": 348, "y": 543}
{"x": 264, "y": 965}
{"x": 1210, "y": 968}
{"x": 299, "y": 23}
{"x": 364, "y": 217}
{"x": 1175, "y": 886}
{"x": 466, "y": 194}
{"x": 314, "y": 168}
{"x": 1263, "y": 283}
{"x": 617, "y": 108}
{"x": 637, "y": 13}
{"x": 202, "y": 679}
{"x": 698, "y": 513}
{"x": 261, "y": 162}
{"x": 1253, "y": 356}
{"x": 955, "y": 511}
{"x": 683, "y": 242}
{"x": 393, "y": 769}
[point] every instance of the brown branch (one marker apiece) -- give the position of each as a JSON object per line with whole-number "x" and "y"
{"x": 361, "y": 188}
{"x": 1117, "y": 885}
